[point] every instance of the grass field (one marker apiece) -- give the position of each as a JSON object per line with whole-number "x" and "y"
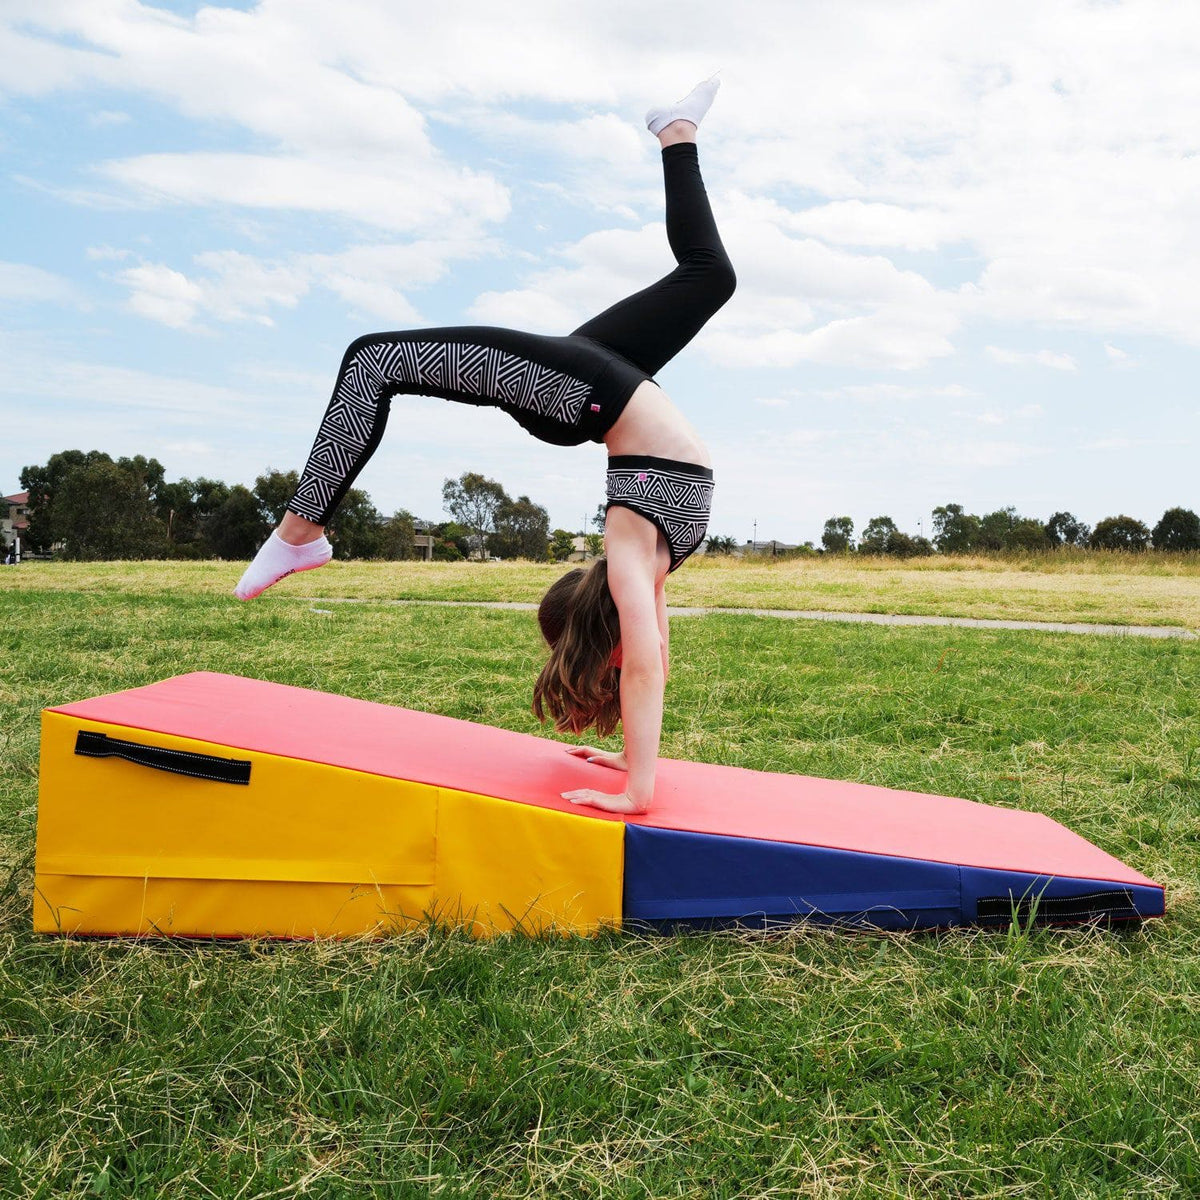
{"x": 1120, "y": 589}
{"x": 1025, "y": 1063}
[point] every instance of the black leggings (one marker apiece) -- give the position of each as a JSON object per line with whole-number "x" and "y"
{"x": 563, "y": 390}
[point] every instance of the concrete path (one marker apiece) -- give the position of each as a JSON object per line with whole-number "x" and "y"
{"x": 859, "y": 618}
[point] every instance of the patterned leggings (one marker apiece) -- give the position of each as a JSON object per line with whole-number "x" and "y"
{"x": 563, "y": 390}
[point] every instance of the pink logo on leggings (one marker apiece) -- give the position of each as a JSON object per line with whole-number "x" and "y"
{"x": 642, "y": 477}
{"x": 595, "y": 408}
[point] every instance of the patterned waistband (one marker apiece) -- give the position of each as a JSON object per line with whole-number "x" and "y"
{"x": 645, "y": 462}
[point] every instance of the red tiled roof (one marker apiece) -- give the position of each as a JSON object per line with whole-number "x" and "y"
{"x": 19, "y": 498}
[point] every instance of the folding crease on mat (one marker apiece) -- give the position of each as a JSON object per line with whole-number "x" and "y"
{"x": 209, "y": 805}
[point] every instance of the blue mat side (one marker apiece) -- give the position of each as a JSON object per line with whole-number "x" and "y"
{"x": 675, "y": 877}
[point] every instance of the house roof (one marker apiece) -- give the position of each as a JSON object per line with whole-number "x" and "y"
{"x": 17, "y": 498}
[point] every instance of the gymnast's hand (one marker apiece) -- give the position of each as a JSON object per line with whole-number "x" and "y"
{"x": 602, "y": 758}
{"x": 590, "y": 798}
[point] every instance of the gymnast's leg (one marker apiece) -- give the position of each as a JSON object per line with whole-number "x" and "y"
{"x": 650, "y": 327}
{"x": 472, "y": 364}
{"x": 373, "y": 369}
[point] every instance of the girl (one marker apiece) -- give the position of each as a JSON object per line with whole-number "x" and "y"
{"x": 606, "y": 625}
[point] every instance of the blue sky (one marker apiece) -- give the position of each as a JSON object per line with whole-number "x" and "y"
{"x": 965, "y": 235}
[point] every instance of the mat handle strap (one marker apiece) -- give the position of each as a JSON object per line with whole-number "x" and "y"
{"x": 1113, "y": 904}
{"x": 178, "y": 762}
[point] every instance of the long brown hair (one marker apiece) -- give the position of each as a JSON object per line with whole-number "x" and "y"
{"x": 579, "y": 687}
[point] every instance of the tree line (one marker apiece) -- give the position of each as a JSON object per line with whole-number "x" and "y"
{"x": 956, "y": 531}
{"x": 89, "y": 506}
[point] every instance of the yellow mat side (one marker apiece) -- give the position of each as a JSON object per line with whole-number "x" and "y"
{"x": 295, "y": 820}
{"x": 503, "y": 866}
{"x": 206, "y": 908}
{"x": 304, "y": 850}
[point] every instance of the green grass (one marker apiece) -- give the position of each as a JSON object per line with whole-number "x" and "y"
{"x": 816, "y": 1063}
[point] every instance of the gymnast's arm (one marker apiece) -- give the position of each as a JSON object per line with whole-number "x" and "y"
{"x": 664, "y": 628}
{"x": 635, "y": 568}
{"x": 643, "y": 677}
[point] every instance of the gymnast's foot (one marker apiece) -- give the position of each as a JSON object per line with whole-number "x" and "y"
{"x": 691, "y": 108}
{"x": 277, "y": 559}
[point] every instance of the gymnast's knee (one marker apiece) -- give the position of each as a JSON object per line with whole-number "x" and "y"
{"x": 361, "y": 345}
{"x": 718, "y": 277}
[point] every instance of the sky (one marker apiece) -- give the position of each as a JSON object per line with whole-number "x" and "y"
{"x": 966, "y": 237}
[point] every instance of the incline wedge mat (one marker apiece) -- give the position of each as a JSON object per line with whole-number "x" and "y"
{"x": 212, "y": 805}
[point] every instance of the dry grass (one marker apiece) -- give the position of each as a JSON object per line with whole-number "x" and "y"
{"x": 1117, "y": 589}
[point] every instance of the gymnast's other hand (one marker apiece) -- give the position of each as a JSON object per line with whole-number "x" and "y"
{"x": 602, "y": 758}
{"x": 590, "y": 798}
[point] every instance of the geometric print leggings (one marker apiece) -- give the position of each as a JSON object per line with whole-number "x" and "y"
{"x": 563, "y": 390}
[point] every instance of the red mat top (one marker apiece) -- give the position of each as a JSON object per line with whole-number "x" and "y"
{"x": 272, "y": 718}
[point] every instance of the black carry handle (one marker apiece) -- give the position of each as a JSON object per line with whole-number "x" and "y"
{"x": 178, "y": 762}
{"x": 1115, "y": 905}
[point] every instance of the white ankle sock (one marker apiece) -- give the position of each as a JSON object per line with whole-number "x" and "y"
{"x": 278, "y": 558}
{"x": 691, "y": 108}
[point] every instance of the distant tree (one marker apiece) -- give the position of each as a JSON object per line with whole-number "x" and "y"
{"x": 716, "y": 544}
{"x": 522, "y": 530}
{"x": 904, "y": 545}
{"x": 595, "y": 544}
{"x": 1120, "y": 533}
{"x": 562, "y": 545}
{"x": 455, "y": 535}
{"x": 41, "y": 482}
{"x": 1064, "y": 529}
{"x": 356, "y": 529}
{"x": 274, "y": 489}
{"x": 398, "y": 537}
{"x": 235, "y": 528}
{"x": 838, "y": 537}
{"x": 1027, "y": 533}
{"x": 600, "y": 517}
{"x": 149, "y": 470}
{"x": 102, "y": 510}
{"x": 877, "y": 536}
{"x": 1177, "y": 529}
{"x": 954, "y": 531}
{"x": 474, "y": 501}
{"x": 994, "y": 529}
{"x": 184, "y": 508}
{"x": 174, "y": 507}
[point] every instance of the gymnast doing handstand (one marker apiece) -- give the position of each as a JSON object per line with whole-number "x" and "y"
{"x": 606, "y": 624}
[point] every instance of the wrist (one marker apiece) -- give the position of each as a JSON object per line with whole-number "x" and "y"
{"x": 640, "y": 792}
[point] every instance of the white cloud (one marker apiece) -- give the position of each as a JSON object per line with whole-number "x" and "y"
{"x": 106, "y": 254}
{"x": 395, "y": 197}
{"x": 1040, "y": 358}
{"x": 860, "y": 223}
{"x": 1119, "y": 358}
{"x": 24, "y": 284}
{"x": 231, "y": 286}
{"x": 890, "y": 393}
{"x": 161, "y": 294}
{"x": 1033, "y": 158}
{"x": 890, "y": 339}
